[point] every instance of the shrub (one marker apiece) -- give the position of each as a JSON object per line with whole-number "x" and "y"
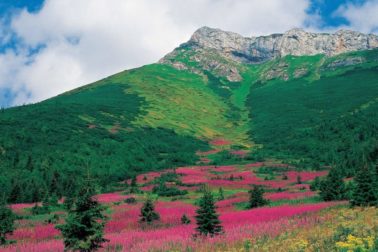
{"x": 130, "y": 200}
{"x": 185, "y": 220}
{"x": 148, "y": 213}
{"x": 7, "y": 219}
{"x": 163, "y": 190}
{"x": 256, "y": 197}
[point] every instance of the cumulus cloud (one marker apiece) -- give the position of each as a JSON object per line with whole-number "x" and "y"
{"x": 74, "y": 42}
{"x": 362, "y": 17}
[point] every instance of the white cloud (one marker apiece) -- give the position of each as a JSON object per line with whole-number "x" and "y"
{"x": 362, "y": 17}
{"x": 83, "y": 41}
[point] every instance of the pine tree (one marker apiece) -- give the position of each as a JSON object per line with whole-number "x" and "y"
{"x": 148, "y": 213}
{"x": 208, "y": 222}
{"x": 333, "y": 186}
{"x": 84, "y": 227}
{"x": 185, "y": 220}
{"x": 364, "y": 193}
{"x": 220, "y": 194}
{"x": 256, "y": 197}
{"x": 7, "y": 218}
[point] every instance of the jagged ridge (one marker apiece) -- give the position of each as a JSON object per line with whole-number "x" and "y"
{"x": 295, "y": 42}
{"x": 223, "y": 52}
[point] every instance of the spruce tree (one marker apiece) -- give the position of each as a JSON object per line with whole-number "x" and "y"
{"x": 333, "y": 186}
{"x": 256, "y": 197}
{"x": 207, "y": 219}
{"x": 84, "y": 227}
{"x": 7, "y": 218}
{"x": 365, "y": 191}
{"x": 148, "y": 213}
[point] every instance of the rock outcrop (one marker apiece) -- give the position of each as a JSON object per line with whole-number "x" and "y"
{"x": 295, "y": 42}
{"x": 222, "y": 52}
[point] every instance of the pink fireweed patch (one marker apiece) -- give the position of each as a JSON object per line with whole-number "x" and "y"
{"x": 240, "y": 153}
{"x": 227, "y": 204}
{"x": 193, "y": 175}
{"x": 171, "y": 212}
{"x": 147, "y": 177}
{"x": 205, "y": 153}
{"x": 20, "y": 206}
{"x": 36, "y": 233}
{"x": 220, "y": 142}
{"x": 110, "y": 197}
{"x": 289, "y": 195}
{"x": 45, "y": 246}
{"x": 305, "y": 175}
{"x": 147, "y": 188}
{"x": 300, "y": 187}
{"x": 269, "y": 213}
{"x": 224, "y": 168}
{"x": 238, "y": 225}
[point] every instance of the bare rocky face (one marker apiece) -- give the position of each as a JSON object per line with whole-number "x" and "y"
{"x": 222, "y": 52}
{"x": 295, "y": 42}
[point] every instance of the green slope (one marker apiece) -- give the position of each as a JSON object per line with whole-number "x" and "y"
{"x": 312, "y": 108}
{"x": 330, "y": 115}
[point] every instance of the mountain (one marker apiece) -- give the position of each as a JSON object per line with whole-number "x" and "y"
{"x": 305, "y": 98}
{"x": 253, "y": 50}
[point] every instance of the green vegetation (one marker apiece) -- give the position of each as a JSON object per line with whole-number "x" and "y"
{"x": 147, "y": 213}
{"x": 207, "y": 219}
{"x": 165, "y": 191}
{"x": 365, "y": 189}
{"x": 84, "y": 226}
{"x": 256, "y": 197}
{"x": 7, "y": 219}
{"x": 310, "y": 111}
{"x": 329, "y": 117}
{"x": 47, "y": 147}
{"x": 181, "y": 101}
{"x": 185, "y": 220}
{"x": 220, "y": 193}
{"x": 333, "y": 186}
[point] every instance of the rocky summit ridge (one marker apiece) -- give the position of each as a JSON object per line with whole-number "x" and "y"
{"x": 222, "y": 52}
{"x": 295, "y": 42}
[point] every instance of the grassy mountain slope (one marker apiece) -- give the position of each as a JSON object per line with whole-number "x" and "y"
{"x": 329, "y": 115}
{"x": 315, "y": 110}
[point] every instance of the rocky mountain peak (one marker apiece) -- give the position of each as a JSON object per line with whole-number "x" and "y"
{"x": 218, "y": 39}
{"x": 296, "y": 42}
{"x": 221, "y": 51}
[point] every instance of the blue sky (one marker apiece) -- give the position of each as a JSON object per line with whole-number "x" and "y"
{"x": 326, "y": 8}
{"x": 9, "y": 5}
{"x": 50, "y": 47}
